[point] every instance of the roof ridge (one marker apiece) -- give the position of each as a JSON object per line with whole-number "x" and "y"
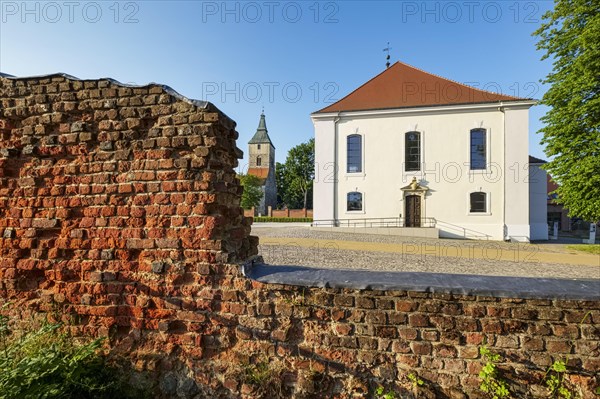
{"x": 359, "y": 87}
{"x": 457, "y": 82}
{"x": 387, "y": 90}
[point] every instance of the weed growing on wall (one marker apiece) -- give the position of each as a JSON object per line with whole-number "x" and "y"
{"x": 556, "y": 377}
{"x": 383, "y": 394}
{"x": 416, "y": 382}
{"x": 491, "y": 383}
{"x": 555, "y": 380}
{"x": 264, "y": 378}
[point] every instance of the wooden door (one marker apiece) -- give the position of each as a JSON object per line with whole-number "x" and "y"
{"x": 413, "y": 211}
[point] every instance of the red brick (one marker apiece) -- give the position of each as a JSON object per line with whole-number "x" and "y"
{"x": 138, "y": 243}
{"x": 167, "y": 243}
{"x": 421, "y": 348}
{"x": 418, "y": 320}
{"x": 343, "y": 329}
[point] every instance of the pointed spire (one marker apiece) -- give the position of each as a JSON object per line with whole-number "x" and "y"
{"x": 262, "y": 124}
{"x": 261, "y": 136}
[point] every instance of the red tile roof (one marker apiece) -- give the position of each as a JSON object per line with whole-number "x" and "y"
{"x": 404, "y": 86}
{"x": 551, "y": 184}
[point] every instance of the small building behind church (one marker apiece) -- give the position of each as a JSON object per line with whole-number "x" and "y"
{"x": 262, "y": 165}
{"x": 429, "y": 152}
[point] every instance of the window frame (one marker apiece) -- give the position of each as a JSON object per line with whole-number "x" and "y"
{"x": 486, "y": 201}
{"x": 362, "y": 202}
{"x": 361, "y": 169}
{"x": 486, "y": 144}
{"x": 419, "y": 147}
{"x": 259, "y": 161}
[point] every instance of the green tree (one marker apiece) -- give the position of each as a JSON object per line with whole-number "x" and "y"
{"x": 295, "y": 177}
{"x": 252, "y": 191}
{"x": 280, "y": 183}
{"x": 570, "y": 36}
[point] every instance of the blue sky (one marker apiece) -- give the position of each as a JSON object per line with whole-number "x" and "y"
{"x": 292, "y": 57}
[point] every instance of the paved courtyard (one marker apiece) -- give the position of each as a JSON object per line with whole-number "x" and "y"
{"x": 293, "y": 244}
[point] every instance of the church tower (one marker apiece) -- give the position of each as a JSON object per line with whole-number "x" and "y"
{"x": 262, "y": 165}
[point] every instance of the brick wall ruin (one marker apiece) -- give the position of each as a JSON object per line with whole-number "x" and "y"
{"x": 120, "y": 206}
{"x": 113, "y": 197}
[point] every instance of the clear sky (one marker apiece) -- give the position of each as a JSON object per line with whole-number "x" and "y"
{"x": 290, "y": 57}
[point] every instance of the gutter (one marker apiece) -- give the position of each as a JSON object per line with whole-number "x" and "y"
{"x": 504, "y": 227}
{"x": 526, "y": 103}
{"x": 336, "y": 119}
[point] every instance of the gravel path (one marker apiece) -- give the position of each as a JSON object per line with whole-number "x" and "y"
{"x": 325, "y": 253}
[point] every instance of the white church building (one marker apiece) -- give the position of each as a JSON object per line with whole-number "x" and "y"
{"x": 413, "y": 150}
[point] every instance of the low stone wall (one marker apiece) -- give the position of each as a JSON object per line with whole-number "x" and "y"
{"x": 250, "y": 339}
{"x": 120, "y": 215}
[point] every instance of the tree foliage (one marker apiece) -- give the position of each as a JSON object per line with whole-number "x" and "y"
{"x": 295, "y": 176}
{"x": 252, "y": 191}
{"x": 570, "y": 35}
{"x": 281, "y": 184}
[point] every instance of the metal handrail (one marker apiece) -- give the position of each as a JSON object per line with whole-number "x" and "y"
{"x": 465, "y": 231}
{"x": 397, "y": 222}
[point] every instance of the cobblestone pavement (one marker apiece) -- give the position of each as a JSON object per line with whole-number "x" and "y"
{"x": 291, "y": 245}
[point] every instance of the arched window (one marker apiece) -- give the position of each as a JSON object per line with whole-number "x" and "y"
{"x": 478, "y": 202}
{"x": 258, "y": 161}
{"x": 412, "y": 151}
{"x": 478, "y": 149}
{"x": 354, "y": 201}
{"x": 354, "y": 153}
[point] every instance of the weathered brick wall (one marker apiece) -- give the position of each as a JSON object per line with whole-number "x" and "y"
{"x": 341, "y": 342}
{"x": 104, "y": 188}
{"x": 344, "y": 343}
{"x": 120, "y": 206}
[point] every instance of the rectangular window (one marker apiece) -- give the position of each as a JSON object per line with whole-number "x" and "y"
{"x": 354, "y": 156}
{"x": 478, "y": 202}
{"x": 412, "y": 151}
{"x": 478, "y": 149}
{"x": 354, "y": 201}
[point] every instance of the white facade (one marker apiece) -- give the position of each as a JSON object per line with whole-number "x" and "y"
{"x": 538, "y": 202}
{"x": 445, "y": 169}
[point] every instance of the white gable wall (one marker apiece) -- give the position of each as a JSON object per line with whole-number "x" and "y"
{"x": 445, "y": 153}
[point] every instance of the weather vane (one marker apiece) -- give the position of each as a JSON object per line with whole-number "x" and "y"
{"x": 387, "y": 49}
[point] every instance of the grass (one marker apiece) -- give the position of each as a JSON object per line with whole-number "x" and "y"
{"x": 589, "y": 248}
{"x": 48, "y": 363}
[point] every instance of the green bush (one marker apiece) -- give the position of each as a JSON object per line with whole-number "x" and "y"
{"x": 262, "y": 219}
{"x": 47, "y": 363}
